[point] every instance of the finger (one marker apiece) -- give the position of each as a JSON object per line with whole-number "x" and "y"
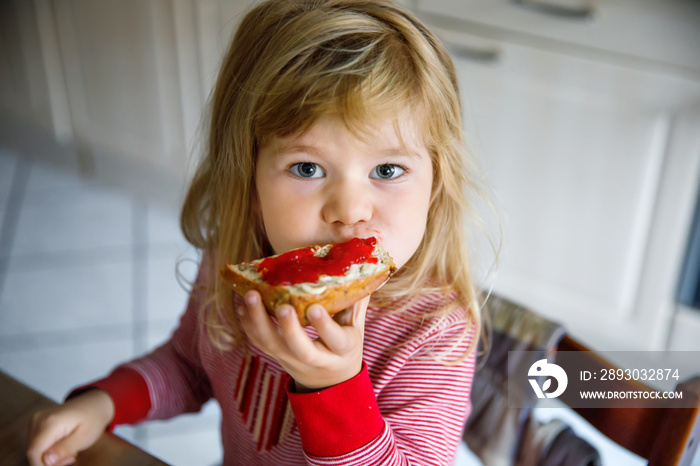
{"x": 50, "y": 460}
{"x": 344, "y": 318}
{"x": 359, "y": 313}
{"x": 295, "y": 338}
{"x": 65, "y": 451}
{"x": 67, "y": 462}
{"x": 46, "y": 435}
{"x": 353, "y": 315}
{"x": 33, "y": 452}
{"x": 335, "y": 337}
{"x": 257, "y": 324}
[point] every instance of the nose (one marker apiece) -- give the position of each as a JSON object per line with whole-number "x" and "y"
{"x": 347, "y": 203}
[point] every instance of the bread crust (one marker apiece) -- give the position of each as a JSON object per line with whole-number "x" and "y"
{"x": 335, "y": 298}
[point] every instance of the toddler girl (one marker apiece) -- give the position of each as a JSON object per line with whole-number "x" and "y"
{"x": 330, "y": 119}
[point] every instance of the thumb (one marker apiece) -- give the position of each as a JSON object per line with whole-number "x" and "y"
{"x": 66, "y": 450}
{"x": 359, "y": 312}
{"x": 51, "y": 459}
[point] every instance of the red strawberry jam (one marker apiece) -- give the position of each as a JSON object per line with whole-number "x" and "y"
{"x": 301, "y": 266}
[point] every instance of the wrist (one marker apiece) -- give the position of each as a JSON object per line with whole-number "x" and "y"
{"x": 98, "y": 403}
{"x": 337, "y": 420}
{"x": 301, "y": 388}
{"x": 128, "y": 394}
{"x": 309, "y": 386}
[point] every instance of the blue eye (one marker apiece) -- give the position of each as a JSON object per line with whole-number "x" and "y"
{"x": 387, "y": 171}
{"x": 306, "y": 170}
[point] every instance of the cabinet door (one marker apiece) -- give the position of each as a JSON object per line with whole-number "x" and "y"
{"x": 33, "y": 102}
{"x": 138, "y": 76}
{"x": 654, "y": 34}
{"x": 582, "y": 156}
{"x": 203, "y": 31}
{"x": 120, "y": 61}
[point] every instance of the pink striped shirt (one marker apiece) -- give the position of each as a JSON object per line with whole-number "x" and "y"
{"x": 405, "y": 407}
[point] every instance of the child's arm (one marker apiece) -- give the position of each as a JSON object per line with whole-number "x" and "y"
{"x": 422, "y": 408}
{"x": 56, "y": 435}
{"x": 167, "y": 382}
{"x": 334, "y": 358}
{"x": 418, "y": 416}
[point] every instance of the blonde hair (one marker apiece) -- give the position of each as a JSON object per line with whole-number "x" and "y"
{"x": 293, "y": 61}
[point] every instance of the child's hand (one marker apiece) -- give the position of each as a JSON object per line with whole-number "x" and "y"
{"x": 56, "y": 435}
{"x": 334, "y": 357}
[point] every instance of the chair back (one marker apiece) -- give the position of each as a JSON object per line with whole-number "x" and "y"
{"x": 663, "y": 436}
{"x": 499, "y": 435}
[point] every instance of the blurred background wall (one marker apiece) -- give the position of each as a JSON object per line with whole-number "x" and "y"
{"x": 584, "y": 114}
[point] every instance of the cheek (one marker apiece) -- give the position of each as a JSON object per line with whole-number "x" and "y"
{"x": 407, "y": 217}
{"x": 285, "y": 217}
{"x": 287, "y": 199}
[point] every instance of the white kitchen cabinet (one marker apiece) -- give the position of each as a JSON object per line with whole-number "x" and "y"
{"x": 656, "y": 35}
{"x": 203, "y": 32}
{"x": 597, "y": 165}
{"x": 589, "y": 130}
{"x": 33, "y": 103}
{"x": 22, "y": 77}
{"x": 118, "y": 86}
{"x": 123, "y": 85}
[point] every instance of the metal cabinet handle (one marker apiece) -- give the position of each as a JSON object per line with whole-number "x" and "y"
{"x": 485, "y": 55}
{"x": 584, "y": 11}
{"x": 464, "y": 46}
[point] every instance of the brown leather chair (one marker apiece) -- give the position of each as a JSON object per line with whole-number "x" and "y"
{"x": 663, "y": 436}
{"x": 666, "y": 435}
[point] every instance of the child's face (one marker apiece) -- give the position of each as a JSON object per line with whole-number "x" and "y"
{"x": 327, "y": 186}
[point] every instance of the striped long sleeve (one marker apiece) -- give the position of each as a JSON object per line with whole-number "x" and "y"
{"x": 422, "y": 405}
{"x": 405, "y": 406}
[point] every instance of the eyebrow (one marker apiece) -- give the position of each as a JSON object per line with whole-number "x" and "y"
{"x": 398, "y": 151}
{"x": 391, "y": 151}
{"x": 292, "y": 148}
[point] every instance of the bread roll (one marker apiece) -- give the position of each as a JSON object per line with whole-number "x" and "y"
{"x": 334, "y": 276}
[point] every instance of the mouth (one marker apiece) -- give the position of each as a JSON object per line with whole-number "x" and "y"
{"x": 378, "y": 234}
{"x": 344, "y": 239}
